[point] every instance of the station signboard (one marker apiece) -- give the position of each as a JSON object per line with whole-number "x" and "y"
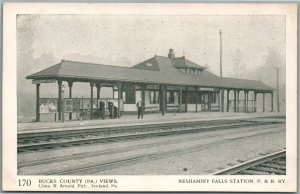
{"x": 152, "y": 87}
{"x": 209, "y": 89}
{"x": 39, "y": 81}
{"x": 173, "y": 87}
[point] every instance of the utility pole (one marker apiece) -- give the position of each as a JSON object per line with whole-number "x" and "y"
{"x": 277, "y": 92}
{"x": 221, "y": 90}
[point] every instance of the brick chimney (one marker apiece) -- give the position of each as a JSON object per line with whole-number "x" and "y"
{"x": 171, "y": 54}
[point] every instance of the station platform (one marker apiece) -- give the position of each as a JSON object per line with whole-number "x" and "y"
{"x": 132, "y": 120}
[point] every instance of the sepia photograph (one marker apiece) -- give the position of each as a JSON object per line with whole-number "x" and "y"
{"x": 192, "y": 96}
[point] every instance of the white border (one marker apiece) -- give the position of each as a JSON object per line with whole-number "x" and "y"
{"x": 147, "y": 183}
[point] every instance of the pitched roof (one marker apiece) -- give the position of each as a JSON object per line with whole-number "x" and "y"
{"x": 182, "y": 62}
{"x": 161, "y": 71}
{"x": 179, "y": 62}
{"x": 245, "y": 84}
{"x": 150, "y": 64}
{"x": 50, "y": 71}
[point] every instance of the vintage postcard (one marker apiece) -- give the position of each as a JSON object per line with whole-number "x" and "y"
{"x": 149, "y": 97}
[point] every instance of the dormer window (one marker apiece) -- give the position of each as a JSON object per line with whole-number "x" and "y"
{"x": 191, "y": 71}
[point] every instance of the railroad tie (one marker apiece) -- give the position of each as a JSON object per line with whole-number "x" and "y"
{"x": 269, "y": 170}
{"x": 252, "y": 172}
{"x": 271, "y": 165}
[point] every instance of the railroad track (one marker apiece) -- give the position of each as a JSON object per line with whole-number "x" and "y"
{"x": 48, "y": 135}
{"x": 107, "y": 163}
{"x": 211, "y": 134}
{"x": 50, "y": 140}
{"x": 127, "y": 161}
{"x": 272, "y": 164}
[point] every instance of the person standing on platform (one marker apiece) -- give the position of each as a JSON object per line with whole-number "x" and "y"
{"x": 139, "y": 106}
{"x": 102, "y": 110}
{"x": 115, "y": 111}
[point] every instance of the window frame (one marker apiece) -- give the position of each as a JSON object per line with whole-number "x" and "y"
{"x": 130, "y": 94}
{"x": 155, "y": 96}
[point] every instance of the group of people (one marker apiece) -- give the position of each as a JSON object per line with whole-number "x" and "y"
{"x": 112, "y": 109}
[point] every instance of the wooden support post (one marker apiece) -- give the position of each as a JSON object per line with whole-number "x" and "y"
{"x": 221, "y": 100}
{"x": 209, "y": 101}
{"x": 163, "y": 99}
{"x": 70, "y": 83}
{"x": 119, "y": 98}
{"x": 245, "y": 105}
{"x": 272, "y": 107}
{"x": 228, "y": 92}
{"x": 92, "y": 97}
{"x": 238, "y": 100}
{"x": 37, "y": 113}
{"x": 59, "y": 103}
{"x": 234, "y": 101}
{"x": 98, "y": 86}
{"x": 180, "y": 99}
{"x": 62, "y": 104}
{"x": 255, "y": 100}
{"x": 160, "y": 97}
{"x": 196, "y": 99}
{"x": 186, "y": 99}
{"x": 247, "y": 95}
{"x": 263, "y": 102}
{"x": 143, "y": 98}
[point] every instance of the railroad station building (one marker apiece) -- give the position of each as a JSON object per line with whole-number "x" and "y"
{"x": 162, "y": 83}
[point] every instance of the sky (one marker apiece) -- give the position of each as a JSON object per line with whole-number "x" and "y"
{"x": 252, "y": 45}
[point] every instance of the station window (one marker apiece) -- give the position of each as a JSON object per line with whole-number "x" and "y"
{"x": 170, "y": 97}
{"x": 200, "y": 98}
{"x": 204, "y": 97}
{"x": 128, "y": 94}
{"x": 192, "y": 95}
{"x": 184, "y": 96}
{"x": 154, "y": 97}
{"x": 213, "y": 97}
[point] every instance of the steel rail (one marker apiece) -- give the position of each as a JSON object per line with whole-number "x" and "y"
{"x": 126, "y": 149}
{"x": 140, "y": 158}
{"x": 91, "y": 169}
{"x": 251, "y": 163}
{"x": 46, "y": 136}
{"x": 133, "y": 160}
{"x": 68, "y": 143}
{"x": 31, "y": 135}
